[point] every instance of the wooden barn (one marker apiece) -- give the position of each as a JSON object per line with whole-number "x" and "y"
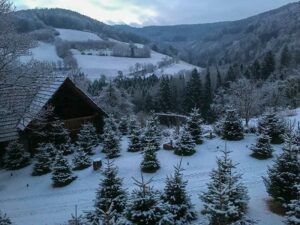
{"x": 20, "y": 107}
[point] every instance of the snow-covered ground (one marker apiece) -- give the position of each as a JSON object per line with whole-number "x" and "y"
{"x": 76, "y": 35}
{"x": 42, "y": 52}
{"x": 40, "y": 204}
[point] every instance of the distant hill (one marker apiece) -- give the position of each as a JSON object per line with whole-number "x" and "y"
{"x": 229, "y": 42}
{"x": 35, "y": 19}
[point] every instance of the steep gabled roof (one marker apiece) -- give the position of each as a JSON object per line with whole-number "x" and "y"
{"x": 20, "y": 105}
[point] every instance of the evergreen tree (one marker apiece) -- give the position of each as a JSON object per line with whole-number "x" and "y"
{"x": 81, "y": 160}
{"x": 165, "y": 98}
{"x": 226, "y": 200}
{"x": 110, "y": 195}
{"x": 150, "y": 163}
{"x": 219, "y": 79}
{"x": 151, "y": 136}
{"x": 43, "y": 162}
{"x": 256, "y": 70}
{"x": 194, "y": 122}
{"x": 123, "y": 125}
{"x": 135, "y": 144}
{"x": 232, "y": 128}
{"x": 50, "y": 149}
{"x": 111, "y": 142}
{"x": 61, "y": 173}
{"x": 206, "y": 111}
{"x": 293, "y": 214}
{"x": 193, "y": 92}
{"x": 268, "y": 65}
{"x": 273, "y": 126}
{"x": 16, "y": 157}
{"x": 144, "y": 205}
{"x": 176, "y": 200}
{"x": 4, "y": 220}
{"x": 132, "y": 125}
{"x": 110, "y": 124}
{"x": 284, "y": 174}
{"x": 186, "y": 145}
{"x": 87, "y": 138}
{"x": 285, "y": 57}
{"x": 262, "y": 149}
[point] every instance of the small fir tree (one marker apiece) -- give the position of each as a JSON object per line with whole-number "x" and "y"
{"x": 50, "y": 149}
{"x": 194, "y": 125}
{"x": 284, "y": 174}
{"x": 135, "y": 144}
{"x": 57, "y": 134}
{"x": 232, "y": 128}
{"x": 110, "y": 195}
{"x": 123, "y": 125}
{"x": 185, "y": 145}
{"x": 87, "y": 138}
{"x": 226, "y": 199}
{"x": 4, "y": 220}
{"x": 262, "y": 149}
{"x": 111, "y": 144}
{"x": 81, "y": 160}
{"x": 273, "y": 126}
{"x": 132, "y": 125}
{"x": 176, "y": 200}
{"x": 110, "y": 124}
{"x": 293, "y": 213}
{"x": 62, "y": 174}
{"x": 43, "y": 162}
{"x": 144, "y": 205}
{"x": 16, "y": 157}
{"x": 150, "y": 163}
{"x": 151, "y": 134}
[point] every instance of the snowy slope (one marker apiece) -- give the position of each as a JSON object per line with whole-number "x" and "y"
{"x": 42, "y": 52}
{"x": 76, "y": 35}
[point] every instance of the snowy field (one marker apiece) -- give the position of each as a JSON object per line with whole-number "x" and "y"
{"x": 40, "y": 204}
{"x": 76, "y": 35}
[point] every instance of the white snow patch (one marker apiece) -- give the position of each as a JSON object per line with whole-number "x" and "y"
{"x": 76, "y": 35}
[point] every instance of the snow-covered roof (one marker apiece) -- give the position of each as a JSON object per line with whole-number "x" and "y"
{"x": 20, "y": 105}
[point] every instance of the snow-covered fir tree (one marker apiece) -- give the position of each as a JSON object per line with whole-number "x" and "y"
{"x": 49, "y": 148}
{"x": 226, "y": 199}
{"x": 61, "y": 173}
{"x": 110, "y": 195}
{"x": 144, "y": 205}
{"x": 293, "y": 213}
{"x": 87, "y": 138}
{"x": 135, "y": 144}
{"x": 43, "y": 162}
{"x": 16, "y": 157}
{"x": 284, "y": 174}
{"x": 232, "y": 128}
{"x": 262, "y": 148}
{"x": 123, "y": 125}
{"x": 194, "y": 125}
{"x": 111, "y": 143}
{"x": 186, "y": 145}
{"x": 110, "y": 123}
{"x": 273, "y": 126}
{"x": 4, "y": 220}
{"x": 81, "y": 160}
{"x": 132, "y": 124}
{"x": 150, "y": 163}
{"x": 151, "y": 135}
{"x": 176, "y": 200}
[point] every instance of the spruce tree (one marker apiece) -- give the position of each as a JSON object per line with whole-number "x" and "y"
{"x": 232, "y": 128}
{"x": 176, "y": 200}
{"x": 219, "y": 79}
{"x": 206, "y": 110}
{"x": 144, "y": 205}
{"x": 132, "y": 125}
{"x": 262, "y": 149}
{"x": 87, "y": 138}
{"x": 285, "y": 57}
{"x": 123, "y": 125}
{"x": 110, "y": 195}
{"x": 293, "y": 213}
{"x": 44, "y": 161}
{"x": 135, "y": 144}
{"x": 111, "y": 143}
{"x": 16, "y": 156}
{"x": 61, "y": 173}
{"x": 226, "y": 199}
{"x": 81, "y": 160}
{"x": 50, "y": 149}
{"x": 193, "y": 96}
{"x": 269, "y": 65}
{"x": 150, "y": 163}
{"x": 273, "y": 126}
{"x": 151, "y": 134}
{"x": 284, "y": 174}
{"x": 186, "y": 145}
{"x": 194, "y": 122}
{"x": 4, "y": 220}
{"x": 165, "y": 98}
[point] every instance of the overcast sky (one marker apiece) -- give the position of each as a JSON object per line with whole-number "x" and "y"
{"x": 159, "y": 12}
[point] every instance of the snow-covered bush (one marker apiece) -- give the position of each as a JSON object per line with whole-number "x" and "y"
{"x": 4, "y": 220}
